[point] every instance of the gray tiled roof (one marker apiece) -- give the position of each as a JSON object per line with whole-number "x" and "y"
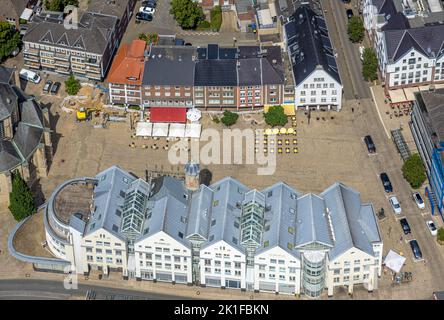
{"x": 9, "y": 157}
{"x": 309, "y": 45}
{"x": 92, "y": 34}
{"x": 27, "y": 138}
{"x": 5, "y": 74}
{"x": 8, "y": 100}
{"x": 170, "y": 66}
{"x": 427, "y": 40}
{"x": 200, "y": 212}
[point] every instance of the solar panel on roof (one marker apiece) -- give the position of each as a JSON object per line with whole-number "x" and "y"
{"x": 201, "y": 53}
{"x": 213, "y": 51}
{"x": 227, "y": 53}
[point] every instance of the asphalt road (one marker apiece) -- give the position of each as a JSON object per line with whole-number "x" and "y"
{"x": 387, "y": 158}
{"x": 29, "y": 289}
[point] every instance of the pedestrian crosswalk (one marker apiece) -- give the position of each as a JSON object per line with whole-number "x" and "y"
{"x": 198, "y": 33}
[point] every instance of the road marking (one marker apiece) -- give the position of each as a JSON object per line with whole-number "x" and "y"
{"x": 379, "y": 114}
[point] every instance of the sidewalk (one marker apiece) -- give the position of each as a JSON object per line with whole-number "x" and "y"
{"x": 389, "y": 120}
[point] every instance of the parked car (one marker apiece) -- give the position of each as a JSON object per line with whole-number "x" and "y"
{"x": 361, "y": 52}
{"x": 418, "y": 199}
{"x": 405, "y": 226}
{"x": 147, "y": 10}
{"x": 346, "y": 1}
{"x": 369, "y": 143}
{"x": 29, "y": 75}
{"x": 142, "y": 16}
{"x": 149, "y": 3}
{"x": 432, "y": 228}
{"x": 415, "y": 249}
{"x": 188, "y": 44}
{"x": 395, "y": 204}
{"x": 349, "y": 13}
{"x": 55, "y": 88}
{"x": 386, "y": 182}
{"x": 48, "y": 86}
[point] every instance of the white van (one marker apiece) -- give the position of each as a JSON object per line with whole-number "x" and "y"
{"x": 29, "y": 75}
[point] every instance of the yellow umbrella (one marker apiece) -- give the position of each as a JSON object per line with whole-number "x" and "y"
{"x": 275, "y": 131}
{"x": 268, "y": 132}
{"x": 283, "y": 131}
{"x": 290, "y": 130}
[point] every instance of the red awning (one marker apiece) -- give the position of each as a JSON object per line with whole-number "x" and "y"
{"x": 168, "y": 114}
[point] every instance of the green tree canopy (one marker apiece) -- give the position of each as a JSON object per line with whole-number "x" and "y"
{"x": 216, "y": 17}
{"x": 229, "y": 118}
{"x": 440, "y": 234}
{"x": 370, "y": 65}
{"x": 187, "y": 13}
{"x": 9, "y": 39}
{"x": 59, "y": 5}
{"x": 413, "y": 171}
{"x": 355, "y": 29}
{"x": 21, "y": 199}
{"x": 276, "y": 116}
{"x": 72, "y": 86}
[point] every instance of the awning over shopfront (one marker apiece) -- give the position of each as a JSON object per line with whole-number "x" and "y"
{"x": 397, "y": 96}
{"x": 289, "y": 109}
{"x": 158, "y": 114}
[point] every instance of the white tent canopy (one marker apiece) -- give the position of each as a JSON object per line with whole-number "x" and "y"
{"x": 177, "y": 130}
{"x": 160, "y": 129}
{"x": 193, "y": 130}
{"x": 394, "y": 261}
{"x": 144, "y": 129}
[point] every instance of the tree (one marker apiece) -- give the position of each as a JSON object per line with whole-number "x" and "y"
{"x": 72, "y": 86}
{"x": 21, "y": 199}
{"x": 370, "y": 65}
{"x": 59, "y": 5}
{"x": 9, "y": 39}
{"x": 229, "y": 118}
{"x": 355, "y": 29}
{"x": 413, "y": 171}
{"x": 440, "y": 236}
{"x": 276, "y": 116}
{"x": 216, "y": 18}
{"x": 187, "y": 13}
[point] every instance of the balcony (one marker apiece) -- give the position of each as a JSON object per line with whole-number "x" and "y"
{"x": 28, "y": 57}
{"x": 62, "y": 56}
{"x": 31, "y": 51}
{"x": 32, "y": 64}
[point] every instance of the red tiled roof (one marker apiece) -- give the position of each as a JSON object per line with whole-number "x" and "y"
{"x": 128, "y": 64}
{"x": 158, "y": 114}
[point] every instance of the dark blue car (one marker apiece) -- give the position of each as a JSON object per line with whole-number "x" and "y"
{"x": 386, "y": 182}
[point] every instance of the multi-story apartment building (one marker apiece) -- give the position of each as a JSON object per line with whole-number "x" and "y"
{"x": 315, "y": 72}
{"x": 428, "y": 132}
{"x": 85, "y": 49}
{"x": 126, "y": 73}
{"x": 25, "y": 138}
{"x": 223, "y": 235}
{"x": 407, "y": 41}
{"x": 211, "y": 77}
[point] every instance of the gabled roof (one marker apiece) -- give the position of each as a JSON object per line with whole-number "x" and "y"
{"x": 309, "y": 45}
{"x": 8, "y": 100}
{"x": 428, "y": 40}
{"x": 281, "y": 203}
{"x": 9, "y": 157}
{"x": 128, "y": 64}
{"x": 227, "y": 193}
{"x": 354, "y": 224}
{"x": 109, "y": 195}
{"x": 5, "y": 74}
{"x": 312, "y": 224}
